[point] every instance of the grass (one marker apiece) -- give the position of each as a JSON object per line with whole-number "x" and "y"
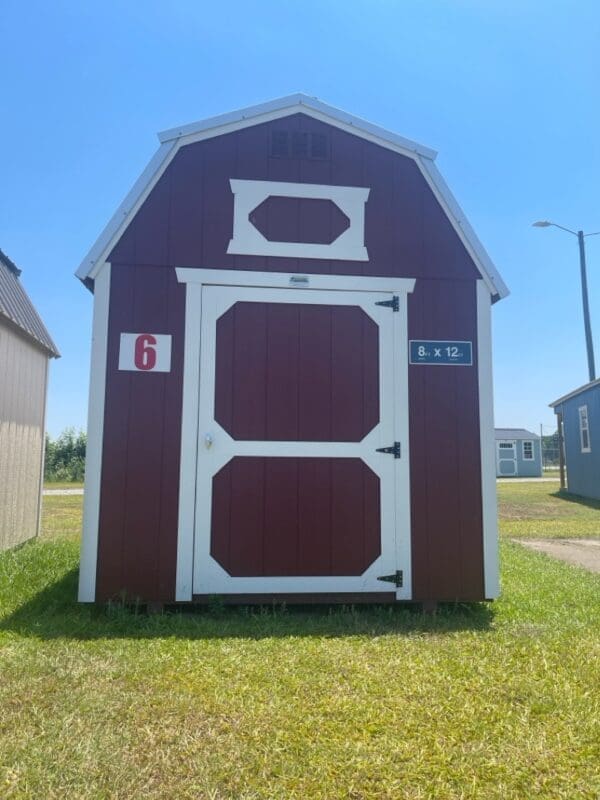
{"x": 63, "y": 485}
{"x": 540, "y": 511}
{"x": 478, "y": 702}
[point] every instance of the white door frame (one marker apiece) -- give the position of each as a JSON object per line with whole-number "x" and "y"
{"x": 195, "y": 279}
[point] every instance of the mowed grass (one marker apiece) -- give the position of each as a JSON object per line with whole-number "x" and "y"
{"x": 541, "y": 511}
{"x": 499, "y": 701}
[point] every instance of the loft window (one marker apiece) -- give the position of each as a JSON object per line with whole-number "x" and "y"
{"x": 584, "y": 430}
{"x": 527, "y": 451}
{"x": 299, "y": 144}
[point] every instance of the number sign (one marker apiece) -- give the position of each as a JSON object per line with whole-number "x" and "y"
{"x": 145, "y": 352}
{"x": 441, "y": 352}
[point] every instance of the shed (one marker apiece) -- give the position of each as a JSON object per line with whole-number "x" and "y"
{"x": 25, "y": 350}
{"x": 291, "y": 387}
{"x": 518, "y": 453}
{"x": 578, "y": 418}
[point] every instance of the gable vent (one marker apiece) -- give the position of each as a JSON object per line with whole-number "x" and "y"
{"x": 299, "y": 144}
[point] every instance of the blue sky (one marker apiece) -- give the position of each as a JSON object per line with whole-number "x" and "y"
{"x": 507, "y": 92}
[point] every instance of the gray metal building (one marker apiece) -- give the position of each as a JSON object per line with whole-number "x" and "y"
{"x": 518, "y": 453}
{"x": 25, "y": 350}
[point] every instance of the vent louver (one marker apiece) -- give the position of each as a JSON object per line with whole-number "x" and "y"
{"x": 299, "y": 144}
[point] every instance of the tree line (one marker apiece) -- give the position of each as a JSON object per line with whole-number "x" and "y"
{"x": 65, "y": 456}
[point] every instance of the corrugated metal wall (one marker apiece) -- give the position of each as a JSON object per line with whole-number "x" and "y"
{"x": 23, "y": 371}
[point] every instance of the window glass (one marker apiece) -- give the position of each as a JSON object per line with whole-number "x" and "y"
{"x": 584, "y": 430}
{"x": 528, "y": 451}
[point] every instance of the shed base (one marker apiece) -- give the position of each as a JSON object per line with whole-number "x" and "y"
{"x": 299, "y": 599}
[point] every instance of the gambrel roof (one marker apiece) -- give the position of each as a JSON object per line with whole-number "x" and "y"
{"x": 17, "y": 308}
{"x": 172, "y": 140}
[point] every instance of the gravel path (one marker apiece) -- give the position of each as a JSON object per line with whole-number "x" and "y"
{"x": 581, "y": 552}
{"x": 528, "y": 480}
{"x": 63, "y": 491}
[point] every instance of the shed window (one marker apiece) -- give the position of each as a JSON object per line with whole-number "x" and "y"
{"x": 584, "y": 430}
{"x": 506, "y": 445}
{"x": 299, "y": 144}
{"x": 527, "y": 451}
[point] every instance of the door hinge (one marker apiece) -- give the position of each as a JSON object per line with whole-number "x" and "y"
{"x": 393, "y": 450}
{"x": 394, "y": 303}
{"x": 396, "y": 578}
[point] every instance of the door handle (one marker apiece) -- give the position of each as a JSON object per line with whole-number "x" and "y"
{"x": 208, "y": 440}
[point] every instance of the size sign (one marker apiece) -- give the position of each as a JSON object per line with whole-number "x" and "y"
{"x": 145, "y": 352}
{"x": 441, "y": 352}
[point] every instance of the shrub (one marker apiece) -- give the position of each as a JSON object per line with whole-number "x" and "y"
{"x": 65, "y": 456}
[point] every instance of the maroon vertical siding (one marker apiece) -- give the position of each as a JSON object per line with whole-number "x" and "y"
{"x": 142, "y": 433}
{"x": 447, "y": 547}
{"x": 295, "y": 516}
{"x": 288, "y": 372}
{"x": 187, "y": 221}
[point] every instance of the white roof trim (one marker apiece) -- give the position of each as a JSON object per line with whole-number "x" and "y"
{"x": 175, "y": 138}
{"x": 290, "y": 104}
{"x": 575, "y": 392}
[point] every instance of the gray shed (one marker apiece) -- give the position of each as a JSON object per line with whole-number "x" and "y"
{"x": 578, "y": 416}
{"x": 518, "y": 453}
{"x": 25, "y": 349}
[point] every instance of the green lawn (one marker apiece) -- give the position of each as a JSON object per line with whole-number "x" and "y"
{"x": 539, "y": 511}
{"x": 490, "y": 702}
{"x": 63, "y": 485}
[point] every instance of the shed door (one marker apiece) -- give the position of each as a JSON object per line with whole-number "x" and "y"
{"x": 296, "y": 396}
{"x": 506, "y": 453}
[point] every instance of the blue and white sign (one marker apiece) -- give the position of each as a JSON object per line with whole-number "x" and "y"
{"x": 441, "y": 352}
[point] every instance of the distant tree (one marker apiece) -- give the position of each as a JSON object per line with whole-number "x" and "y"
{"x": 65, "y": 456}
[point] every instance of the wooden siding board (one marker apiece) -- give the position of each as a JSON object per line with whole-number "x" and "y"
{"x": 314, "y": 374}
{"x": 111, "y": 577}
{"x": 281, "y": 363}
{"x": 314, "y": 516}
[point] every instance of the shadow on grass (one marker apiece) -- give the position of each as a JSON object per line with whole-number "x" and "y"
{"x": 562, "y": 494}
{"x": 54, "y": 613}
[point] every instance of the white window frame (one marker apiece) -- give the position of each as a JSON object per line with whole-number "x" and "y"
{"x": 526, "y": 457}
{"x": 583, "y": 414}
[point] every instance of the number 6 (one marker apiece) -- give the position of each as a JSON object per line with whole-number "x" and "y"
{"x": 144, "y": 354}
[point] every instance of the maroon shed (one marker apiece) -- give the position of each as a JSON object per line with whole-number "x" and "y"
{"x": 291, "y": 389}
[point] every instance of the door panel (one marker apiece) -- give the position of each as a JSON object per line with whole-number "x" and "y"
{"x": 295, "y": 516}
{"x": 292, "y": 372}
{"x": 296, "y": 396}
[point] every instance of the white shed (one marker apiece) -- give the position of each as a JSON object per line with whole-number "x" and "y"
{"x": 25, "y": 349}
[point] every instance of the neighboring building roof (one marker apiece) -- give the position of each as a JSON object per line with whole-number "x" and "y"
{"x": 16, "y": 306}
{"x": 575, "y": 392}
{"x": 175, "y": 138}
{"x": 514, "y": 433}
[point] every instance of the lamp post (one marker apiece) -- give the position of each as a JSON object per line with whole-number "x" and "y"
{"x": 584, "y": 290}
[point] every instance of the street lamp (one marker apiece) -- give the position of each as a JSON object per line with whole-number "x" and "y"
{"x": 584, "y": 291}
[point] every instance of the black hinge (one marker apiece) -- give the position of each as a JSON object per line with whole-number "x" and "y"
{"x": 394, "y": 303}
{"x": 393, "y": 450}
{"x": 396, "y": 578}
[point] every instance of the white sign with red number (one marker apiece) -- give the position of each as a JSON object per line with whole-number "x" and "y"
{"x": 145, "y": 352}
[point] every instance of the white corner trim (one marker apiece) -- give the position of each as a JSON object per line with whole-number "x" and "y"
{"x": 248, "y": 240}
{"x": 487, "y": 443}
{"x": 296, "y": 280}
{"x": 293, "y": 104}
{"x": 95, "y": 432}
{"x": 189, "y": 443}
